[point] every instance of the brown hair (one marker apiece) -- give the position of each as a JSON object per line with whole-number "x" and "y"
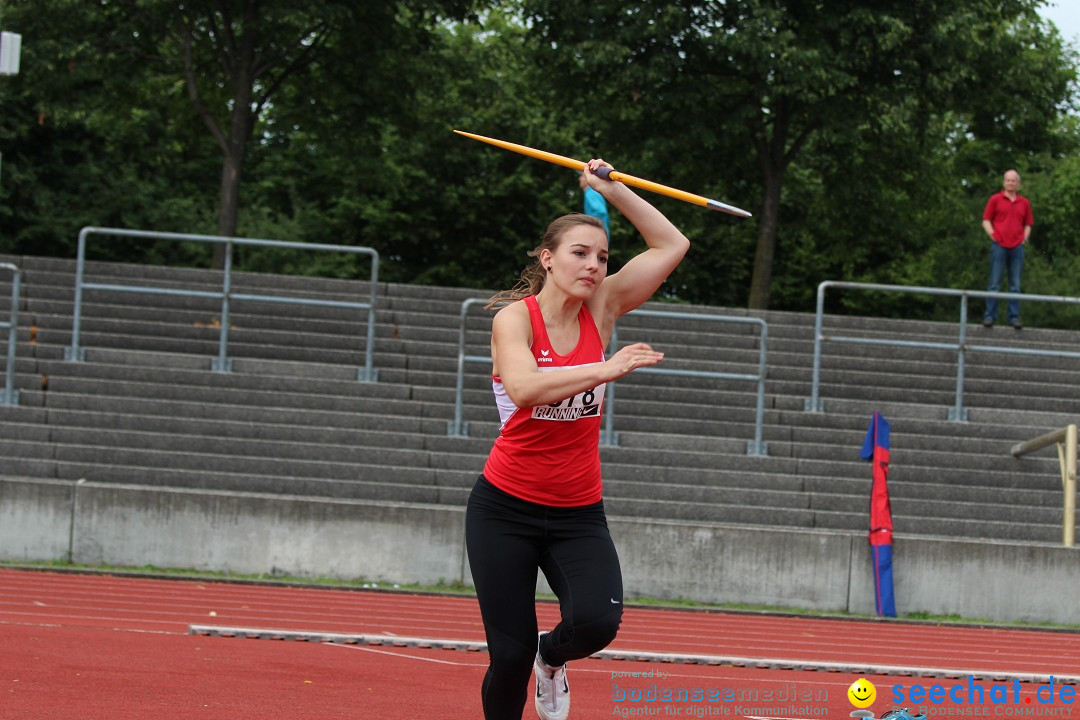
{"x": 533, "y": 276}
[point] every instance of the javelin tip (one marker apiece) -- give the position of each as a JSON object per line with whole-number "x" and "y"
{"x": 729, "y": 209}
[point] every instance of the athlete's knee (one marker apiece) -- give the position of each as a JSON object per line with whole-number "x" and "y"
{"x": 598, "y": 632}
{"x": 511, "y": 657}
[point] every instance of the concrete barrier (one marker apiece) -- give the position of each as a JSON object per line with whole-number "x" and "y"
{"x": 733, "y": 564}
{"x": 134, "y": 525}
{"x": 977, "y": 579}
{"x": 35, "y": 519}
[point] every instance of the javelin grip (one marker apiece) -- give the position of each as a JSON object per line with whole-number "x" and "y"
{"x": 603, "y": 172}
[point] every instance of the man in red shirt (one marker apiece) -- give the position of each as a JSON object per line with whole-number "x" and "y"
{"x": 1007, "y": 220}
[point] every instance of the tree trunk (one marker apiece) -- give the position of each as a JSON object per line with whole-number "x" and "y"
{"x": 241, "y": 122}
{"x": 768, "y": 225}
{"x": 773, "y": 157}
{"x": 229, "y": 197}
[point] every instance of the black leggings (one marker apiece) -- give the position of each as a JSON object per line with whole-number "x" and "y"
{"x": 507, "y": 540}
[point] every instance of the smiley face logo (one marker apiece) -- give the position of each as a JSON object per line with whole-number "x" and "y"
{"x": 862, "y": 693}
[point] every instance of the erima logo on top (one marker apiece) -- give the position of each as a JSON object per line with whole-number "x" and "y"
{"x": 544, "y": 357}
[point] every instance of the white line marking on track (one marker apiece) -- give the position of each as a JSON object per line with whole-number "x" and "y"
{"x": 597, "y": 671}
{"x": 68, "y": 626}
{"x": 402, "y": 655}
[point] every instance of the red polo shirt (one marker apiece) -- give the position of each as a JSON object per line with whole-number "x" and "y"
{"x": 1009, "y": 217}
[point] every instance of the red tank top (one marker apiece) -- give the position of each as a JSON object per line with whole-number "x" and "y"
{"x": 551, "y": 454}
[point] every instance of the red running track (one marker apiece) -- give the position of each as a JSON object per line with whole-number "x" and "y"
{"x": 98, "y": 646}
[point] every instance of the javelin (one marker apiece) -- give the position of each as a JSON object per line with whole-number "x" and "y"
{"x": 609, "y": 174}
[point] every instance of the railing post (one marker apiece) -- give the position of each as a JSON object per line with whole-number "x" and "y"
{"x": 11, "y": 395}
{"x": 222, "y": 363}
{"x": 74, "y": 353}
{"x": 608, "y": 436}
{"x": 456, "y": 428}
{"x": 814, "y": 404}
{"x": 369, "y": 373}
{"x": 1065, "y": 438}
{"x": 958, "y": 413}
{"x": 1068, "y": 531}
{"x": 757, "y": 447}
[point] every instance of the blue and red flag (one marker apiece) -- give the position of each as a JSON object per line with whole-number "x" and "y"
{"x": 876, "y": 449}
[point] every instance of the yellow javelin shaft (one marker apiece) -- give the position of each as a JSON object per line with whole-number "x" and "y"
{"x": 611, "y": 175}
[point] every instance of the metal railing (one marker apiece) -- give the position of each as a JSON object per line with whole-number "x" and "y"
{"x": 222, "y": 363}
{"x": 10, "y": 395}
{"x": 957, "y": 413}
{"x": 457, "y": 427}
{"x": 753, "y": 447}
{"x": 608, "y": 437}
{"x": 1066, "y": 447}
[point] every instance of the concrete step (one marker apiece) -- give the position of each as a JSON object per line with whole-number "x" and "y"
{"x": 902, "y": 491}
{"x": 807, "y": 441}
{"x": 26, "y": 449}
{"x": 697, "y": 494}
{"x": 93, "y": 460}
{"x": 275, "y": 424}
{"x": 359, "y": 397}
{"x": 292, "y": 419}
{"x": 372, "y": 482}
{"x": 925, "y": 509}
{"x": 23, "y": 431}
{"x": 433, "y": 327}
{"x": 356, "y": 447}
{"x": 719, "y": 513}
{"x": 321, "y": 380}
{"x": 277, "y": 441}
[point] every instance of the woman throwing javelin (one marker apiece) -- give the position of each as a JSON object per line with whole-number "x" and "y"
{"x": 538, "y": 503}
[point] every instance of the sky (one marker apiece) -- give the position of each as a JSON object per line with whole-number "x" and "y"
{"x": 1066, "y": 15}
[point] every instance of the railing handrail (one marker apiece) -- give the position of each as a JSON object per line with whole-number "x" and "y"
{"x": 608, "y": 436}
{"x": 961, "y": 346}
{"x": 10, "y": 395}
{"x": 222, "y": 363}
{"x": 1066, "y": 446}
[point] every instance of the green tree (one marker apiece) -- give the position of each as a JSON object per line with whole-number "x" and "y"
{"x": 755, "y": 83}
{"x": 439, "y": 208}
{"x": 90, "y": 138}
{"x": 112, "y": 119}
{"x": 864, "y": 136}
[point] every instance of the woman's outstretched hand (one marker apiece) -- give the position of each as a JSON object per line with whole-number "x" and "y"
{"x": 632, "y": 357}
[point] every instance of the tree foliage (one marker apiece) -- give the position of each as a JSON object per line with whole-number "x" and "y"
{"x": 865, "y": 135}
{"x": 776, "y": 88}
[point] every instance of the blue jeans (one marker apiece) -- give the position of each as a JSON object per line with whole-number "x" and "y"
{"x": 1000, "y": 258}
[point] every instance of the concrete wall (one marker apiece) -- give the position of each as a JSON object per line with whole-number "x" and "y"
{"x": 35, "y": 519}
{"x": 728, "y": 564}
{"x": 95, "y": 523}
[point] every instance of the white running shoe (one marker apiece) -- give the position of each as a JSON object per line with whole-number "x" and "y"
{"x": 552, "y": 690}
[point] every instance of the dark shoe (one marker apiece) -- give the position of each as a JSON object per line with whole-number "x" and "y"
{"x": 1017, "y": 325}
{"x": 988, "y": 323}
